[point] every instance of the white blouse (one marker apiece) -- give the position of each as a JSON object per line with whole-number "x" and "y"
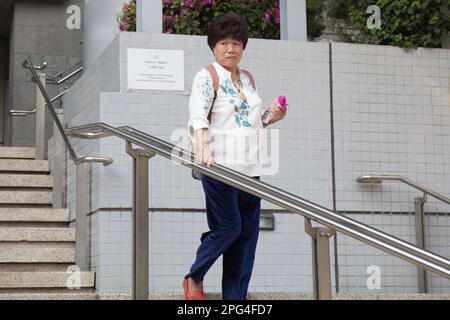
{"x": 236, "y": 131}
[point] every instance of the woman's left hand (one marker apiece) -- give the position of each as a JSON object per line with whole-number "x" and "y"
{"x": 275, "y": 113}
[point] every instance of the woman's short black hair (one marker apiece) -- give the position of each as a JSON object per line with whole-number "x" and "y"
{"x": 227, "y": 25}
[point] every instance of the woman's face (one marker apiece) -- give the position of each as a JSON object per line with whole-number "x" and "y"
{"x": 228, "y": 52}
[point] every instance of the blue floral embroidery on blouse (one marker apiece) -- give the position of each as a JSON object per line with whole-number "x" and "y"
{"x": 241, "y": 107}
{"x": 207, "y": 89}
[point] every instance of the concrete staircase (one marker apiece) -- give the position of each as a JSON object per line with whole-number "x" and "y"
{"x": 37, "y": 247}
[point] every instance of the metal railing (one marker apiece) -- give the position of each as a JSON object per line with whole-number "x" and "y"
{"x": 151, "y": 146}
{"x": 41, "y": 101}
{"x": 419, "y": 211}
{"x": 312, "y": 212}
{"x": 60, "y": 141}
{"x": 60, "y": 78}
{"x": 418, "y": 186}
{"x": 18, "y": 112}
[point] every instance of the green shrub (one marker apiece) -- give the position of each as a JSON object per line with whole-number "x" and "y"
{"x": 314, "y": 18}
{"x": 404, "y": 23}
{"x": 193, "y": 17}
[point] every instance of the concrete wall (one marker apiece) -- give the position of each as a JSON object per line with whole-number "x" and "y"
{"x": 373, "y": 86}
{"x": 39, "y": 30}
{"x": 3, "y": 77}
{"x": 100, "y": 27}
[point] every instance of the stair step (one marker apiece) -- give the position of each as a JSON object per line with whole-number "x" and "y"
{"x": 17, "y": 153}
{"x": 68, "y": 280}
{"x": 76, "y": 295}
{"x": 282, "y": 296}
{"x": 25, "y": 197}
{"x": 34, "y": 215}
{"x": 22, "y": 165}
{"x": 37, "y": 252}
{"x": 26, "y": 181}
{"x": 34, "y": 267}
{"x": 37, "y": 234}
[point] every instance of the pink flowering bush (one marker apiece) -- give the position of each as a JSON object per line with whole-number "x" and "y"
{"x": 193, "y": 17}
{"x": 127, "y": 17}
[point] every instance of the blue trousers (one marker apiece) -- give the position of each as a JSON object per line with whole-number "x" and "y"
{"x": 233, "y": 220}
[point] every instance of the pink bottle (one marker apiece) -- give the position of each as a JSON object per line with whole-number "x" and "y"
{"x": 280, "y": 104}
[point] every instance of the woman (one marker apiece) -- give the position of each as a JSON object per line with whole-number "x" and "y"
{"x": 232, "y": 214}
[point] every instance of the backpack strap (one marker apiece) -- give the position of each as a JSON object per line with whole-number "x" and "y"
{"x": 215, "y": 78}
{"x": 250, "y": 77}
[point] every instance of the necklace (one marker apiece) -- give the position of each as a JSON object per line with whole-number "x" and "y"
{"x": 240, "y": 92}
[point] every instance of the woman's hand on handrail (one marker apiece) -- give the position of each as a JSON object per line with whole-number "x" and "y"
{"x": 205, "y": 156}
{"x": 203, "y": 153}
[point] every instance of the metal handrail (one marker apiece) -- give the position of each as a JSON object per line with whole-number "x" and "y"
{"x": 54, "y": 79}
{"x": 68, "y": 69}
{"x": 309, "y": 210}
{"x": 291, "y": 202}
{"x": 103, "y": 160}
{"x": 381, "y": 178}
{"x": 295, "y": 204}
{"x": 21, "y": 113}
{"x": 48, "y": 102}
{"x": 27, "y": 63}
{"x": 62, "y": 80}
{"x": 17, "y": 112}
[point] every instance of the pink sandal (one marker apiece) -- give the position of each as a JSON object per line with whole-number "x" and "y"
{"x": 192, "y": 295}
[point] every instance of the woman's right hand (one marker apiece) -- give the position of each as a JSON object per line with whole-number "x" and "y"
{"x": 204, "y": 156}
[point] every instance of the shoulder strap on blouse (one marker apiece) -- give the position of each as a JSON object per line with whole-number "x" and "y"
{"x": 250, "y": 77}
{"x": 215, "y": 78}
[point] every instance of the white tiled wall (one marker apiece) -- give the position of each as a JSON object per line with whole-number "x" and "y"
{"x": 392, "y": 112}
{"x": 356, "y": 259}
{"x": 391, "y": 115}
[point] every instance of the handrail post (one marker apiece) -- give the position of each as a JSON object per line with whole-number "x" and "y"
{"x": 40, "y": 119}
{"x": 58, "y": 159}
{"x": 82, "y": 210}
{"x": 320, "y": 239}
{"x": 140, "y": 271}
{"x": 420, "y": 239}
{"x": 41, "y": 88}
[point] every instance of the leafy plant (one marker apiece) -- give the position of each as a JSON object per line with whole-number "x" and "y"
{"x": 314, "y": 18}
{"x": 404, "y": 23}
{"x": 193, "y": 17}
{"x": 127, "y": 17}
